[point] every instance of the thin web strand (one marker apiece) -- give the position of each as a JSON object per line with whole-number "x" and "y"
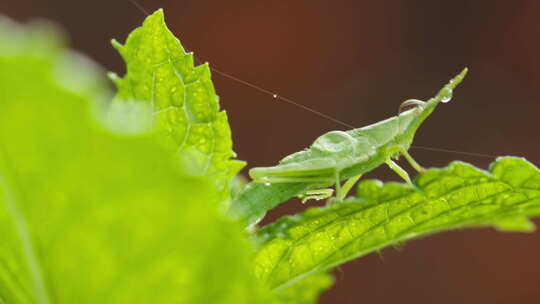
{"x": 288, "y": 100}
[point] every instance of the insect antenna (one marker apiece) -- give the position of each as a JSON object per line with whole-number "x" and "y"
{"x": 404, "y": 107}
{"x": 139, "y": 7}
{"x": 276, "y": 96}
{"x": 453, "y": 151}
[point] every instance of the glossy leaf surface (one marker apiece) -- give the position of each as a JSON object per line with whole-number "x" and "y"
{"x": 185, "y": 109}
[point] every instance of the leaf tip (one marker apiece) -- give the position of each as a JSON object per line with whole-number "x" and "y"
{"x": 159, "y": 12}
{"x": 157, "y": 16}
{"x": 515, "y": 224}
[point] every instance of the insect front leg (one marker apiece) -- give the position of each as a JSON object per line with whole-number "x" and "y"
{"x": 411, "y": 161}
{"x": 317, "y": 194}
{"x": 320, "y": 194}
{"x": 400, "y": 171}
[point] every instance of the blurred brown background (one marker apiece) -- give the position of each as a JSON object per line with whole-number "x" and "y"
{"x": 356, "y": 61}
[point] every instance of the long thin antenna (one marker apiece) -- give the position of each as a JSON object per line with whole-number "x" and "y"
{"x": 140, "y": 7}
{"x": 288, "y": 100}
{"x": 276, "y": 96}
{"x": 453, "y": 151}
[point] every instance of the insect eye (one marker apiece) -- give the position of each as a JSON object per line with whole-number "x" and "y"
{"x": 411, "y": 104}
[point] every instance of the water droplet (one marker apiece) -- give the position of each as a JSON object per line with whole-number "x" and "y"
{"x": 275, "y": 95}
{"x": 267, "y": 184}
{"x": 446, "y": 97}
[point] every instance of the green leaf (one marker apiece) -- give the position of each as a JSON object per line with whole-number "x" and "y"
{"x": 182, "y": 98}
{"x": 88, "y": 215}
{"x": 458, "y": 196}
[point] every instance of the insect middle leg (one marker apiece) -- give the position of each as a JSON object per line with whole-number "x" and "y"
{"x": 347, "y": 187}
{"x": 341, "y": 191}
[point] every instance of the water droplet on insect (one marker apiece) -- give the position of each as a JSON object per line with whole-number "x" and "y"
{"x": 447, "y": 97}
{"x": 275, "y": 95}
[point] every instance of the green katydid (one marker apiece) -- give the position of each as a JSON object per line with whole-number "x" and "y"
{"x": 340, "y": 155}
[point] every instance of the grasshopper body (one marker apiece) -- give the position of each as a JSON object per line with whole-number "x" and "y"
{"x": 339, "y": 155}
